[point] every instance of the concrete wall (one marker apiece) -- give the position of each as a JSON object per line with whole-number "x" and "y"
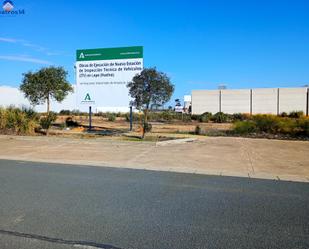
{"x": 264, "y": 100}
{"x": 292, "y": 99}
{"x": 205, "y": 101}
{"x": 235, "y": 101}
{"x": 260, "y": 100}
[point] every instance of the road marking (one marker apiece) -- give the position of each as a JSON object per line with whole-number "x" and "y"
{"x": 80, "y": 244}
{"x": 85, "y": 247}
{"x": 19, "y": 219}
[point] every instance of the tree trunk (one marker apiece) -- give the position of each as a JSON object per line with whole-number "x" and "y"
{"x": 145, "y": 122}
{"x": 48, "y": 104}
{"x": 48, "y": 110}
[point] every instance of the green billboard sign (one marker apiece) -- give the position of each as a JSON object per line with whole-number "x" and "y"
{"x": 109, "y": 53}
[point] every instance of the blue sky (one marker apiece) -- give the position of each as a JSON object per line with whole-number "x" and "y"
{"x": 199, "y": 44}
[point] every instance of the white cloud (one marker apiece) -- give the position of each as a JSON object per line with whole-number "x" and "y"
{"x": 35, "y": 47}
{"x": 25, "y": 59}
{"x": 31, "y": 45}
{"x": 13, "y": 96}
{"x": 10, "y": 40}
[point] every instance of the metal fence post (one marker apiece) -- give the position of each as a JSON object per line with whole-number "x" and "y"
{"x": 250, "y": 102}
{"x": 220, "y": 97}
{"x": 278, "y": 101}
{"x": 307, "y": 102}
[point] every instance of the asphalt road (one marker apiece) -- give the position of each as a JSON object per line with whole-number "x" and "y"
{"x": 65, "y": 206}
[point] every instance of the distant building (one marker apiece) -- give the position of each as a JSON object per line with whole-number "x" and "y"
{"x": 187, "y": 103}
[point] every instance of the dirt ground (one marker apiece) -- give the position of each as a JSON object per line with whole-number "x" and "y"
{"x": 157, "y": 127}
{"x": 256, "y": 158}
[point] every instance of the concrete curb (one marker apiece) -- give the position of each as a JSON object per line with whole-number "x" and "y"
{"x": 289, "y": 178}
{"x": 175, "y": 141}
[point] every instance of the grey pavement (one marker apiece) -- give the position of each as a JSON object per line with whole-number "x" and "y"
{"x": 67, "y": 206}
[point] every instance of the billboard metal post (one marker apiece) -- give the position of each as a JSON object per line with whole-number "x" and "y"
{"x": 131, "y": 118}
{"x": 90, "y": 125}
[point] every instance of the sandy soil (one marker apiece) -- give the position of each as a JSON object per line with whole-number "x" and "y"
{"x": 256, "y": 158}
{"x": 158, "y": 127}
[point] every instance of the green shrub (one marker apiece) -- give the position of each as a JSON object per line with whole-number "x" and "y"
{"x": 127, "y": 116}
{"x": 19, "y": 121}
{"x": 11, "y": 116}
{"x": 240, "y": 117}
{"x": 195, "y": 117}
{"x": 163, "y": 116}
{"x": 147, "y": 127}
{"x": 119, "y": 114}
{"x": 186, "y": 117}
{"x": 78, "y": 113}
{"x": 166, "y": 116}
{"x": 62, "y": 126}
{"x": 284, "y": 115}
{"x": 65, "y": 112}
{"x": 303, "y": 125}
{"x": 46, "y": 121}
{"x": 220, "y": 117}
{"x": 205, "y": 117}
{"x": 267, "y": 123}
{"x": 107, "y": 114}
{"x": 102, "y": 114}
{"x": 111, "y": 117}
{"x": 30, "y": 113}
{"x": 69, "y": 122}
{"x": 286, "y": 126}
{"x": 23, "y": 125}
{"x": 3, "y": 118}
{"x": 272, "y": 124}
{"x": 198, "y": 130}
{"x": 244, "y": 127}
{"x": 296, "y": 114}
{"x": 135, "y": 117}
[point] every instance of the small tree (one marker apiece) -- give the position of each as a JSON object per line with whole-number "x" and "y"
{"x": 148, "y": 88}
{"x": 46, "y": 84}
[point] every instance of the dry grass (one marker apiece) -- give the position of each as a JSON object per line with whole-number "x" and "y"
{"x": 157, "y": 127}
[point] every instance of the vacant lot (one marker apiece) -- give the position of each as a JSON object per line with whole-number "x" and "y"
{"x": 258, "y": 158}
{"x": 121, "y": 124}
